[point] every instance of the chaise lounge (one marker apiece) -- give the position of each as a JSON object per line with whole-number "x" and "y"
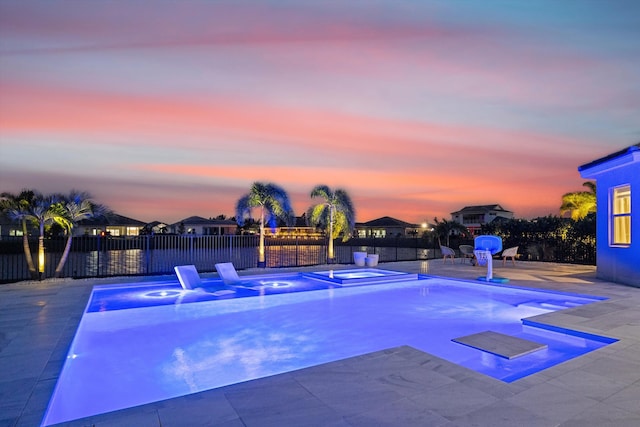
{"x": 228, "y": 273}
{"x": 188, "y": 276}
{"x": 189, "y": 279}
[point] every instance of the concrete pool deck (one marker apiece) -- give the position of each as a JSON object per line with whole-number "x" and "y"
{"x": 396, "y": 387}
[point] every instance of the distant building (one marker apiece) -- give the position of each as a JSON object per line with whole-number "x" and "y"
{"x": 9, "y": 228}
{"x": 204, "y": 227}
{"x": 618, "y": 214}
{"x": 387, "y": 227}
{"x": 155, "y": 227}
{"x": 299, "y": 230}
{"x": 473, "y": 217}
{"x": 111, "y": 224}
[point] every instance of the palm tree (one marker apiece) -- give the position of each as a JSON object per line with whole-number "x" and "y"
{"x": 335, "y": 214}
{"x": 16, "y": 208}
{"x": 42, "y": 214}
{"x": 273, "y": 203}
{"x": 444, "y": 228}
{"x": 580, "y": 203}
{"x": 69, "y": 211}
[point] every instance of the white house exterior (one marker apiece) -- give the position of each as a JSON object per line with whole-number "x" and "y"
{"x": 473, "y": 217}
{"x": 204, "y": 227}
{"x": 618, "y": 214}
{"x": 112, "y": 224}
{"x": 386, "y": 227}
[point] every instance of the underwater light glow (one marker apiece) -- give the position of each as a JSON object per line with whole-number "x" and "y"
{"x": 163, "y": 294}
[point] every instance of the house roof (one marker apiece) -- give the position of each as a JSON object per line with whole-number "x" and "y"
{"x": 480, "y": 208}
{"x": 154, "y": 224}
{"x": 201, "y": 220}
{"x": 386, "y": 221}
{"x": 113, "y": 219}
{"x": 633, "y": 152}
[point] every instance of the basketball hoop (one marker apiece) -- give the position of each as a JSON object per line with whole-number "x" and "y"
{"x": 485, "y": 248}
{"x": 482, "y": 257}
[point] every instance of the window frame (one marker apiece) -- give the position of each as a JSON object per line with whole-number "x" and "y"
{"x": 615, "y": 216}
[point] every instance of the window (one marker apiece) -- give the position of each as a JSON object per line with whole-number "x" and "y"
{"x": 473, "y": 219}
{"x": 113, "y": 231}
{"x": 621, "y": 215}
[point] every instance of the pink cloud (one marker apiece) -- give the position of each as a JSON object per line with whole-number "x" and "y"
{"x": 372, "y": 157}
{"x": 223, "y": 133}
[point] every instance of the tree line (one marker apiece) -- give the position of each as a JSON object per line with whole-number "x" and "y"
{"x": 30, "y": 207}
{"x": 334, "y": 213}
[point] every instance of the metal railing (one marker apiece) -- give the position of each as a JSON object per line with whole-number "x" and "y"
{"x": 103, "y": 256}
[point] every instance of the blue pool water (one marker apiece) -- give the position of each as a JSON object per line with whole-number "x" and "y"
{"x": 112, "y": 297}
{"x": 148, "y": 342}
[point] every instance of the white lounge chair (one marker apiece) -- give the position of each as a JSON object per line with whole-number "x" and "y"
{"x": 190, "y": 280}
{"x": 510, "y": 253}
{"x": 447, "y": 252}
{"x": 466, "y": 251}
{"x": 359, "y": 258}
{"x": 371, "y": 260}
{"x": 228, "y": 273}
{"x": 188, "y": 276}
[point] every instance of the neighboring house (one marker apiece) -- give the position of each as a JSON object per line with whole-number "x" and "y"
{"x": 387, "y": 227}
{"x": 204, "y": 227}
{"x": 300, "y": 230}
{"x": 155, "y": 227}
{"x": 473, "y": 217}
{"x": 111, "y": 224}
{"x": 618, "y": 214}
{"x": 9, "y": 228}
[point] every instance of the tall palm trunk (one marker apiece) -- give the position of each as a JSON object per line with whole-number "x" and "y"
{"x": 41, "y": 252}
{"x": 27, "y": 250}
{"x": 65, "y": 255}
{"x": 261, "y": 254}
{"x": 331, "y": 255}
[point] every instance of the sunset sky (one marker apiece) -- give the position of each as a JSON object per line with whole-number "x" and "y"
{"x": 167, "y": 109}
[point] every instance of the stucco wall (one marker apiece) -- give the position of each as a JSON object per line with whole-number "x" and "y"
{"x": 617, "y": 264}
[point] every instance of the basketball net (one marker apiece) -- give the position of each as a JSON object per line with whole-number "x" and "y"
{"x": 485, "y": 258}
{"x": 482, "y": 257}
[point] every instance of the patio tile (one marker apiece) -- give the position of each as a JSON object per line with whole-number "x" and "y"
{"x": 559, "y": 404}
{"x": 404, "y": 412}
{"x": 453, "y": 400}
{"x": 603, "y": 416}
{"x": 588, "y": 384}
{"x": 628, "y": 399}
{"x": 615, "y": 369}
{"x": 502, "y": 414}
{"x": 204, "y": 409}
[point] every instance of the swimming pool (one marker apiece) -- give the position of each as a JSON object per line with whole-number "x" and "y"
{"x": 133, "y": 352}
